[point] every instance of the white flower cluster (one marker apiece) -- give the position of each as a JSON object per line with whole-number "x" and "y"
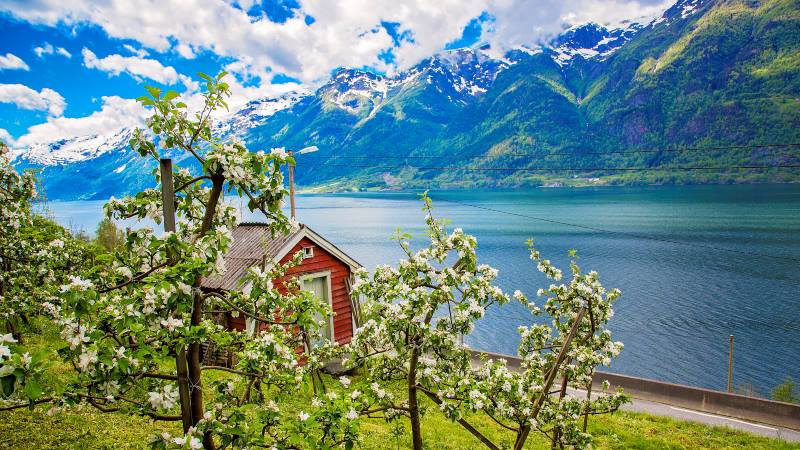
{"x": 5, "y": 351}
{"x": 77, "y": 284}
{"x": 164, "y": 399}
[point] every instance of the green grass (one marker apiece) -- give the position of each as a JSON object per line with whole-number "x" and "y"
{"x": 86, "y": 428}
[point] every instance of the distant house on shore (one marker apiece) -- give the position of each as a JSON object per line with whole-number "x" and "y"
{"x": 325, "y": 270}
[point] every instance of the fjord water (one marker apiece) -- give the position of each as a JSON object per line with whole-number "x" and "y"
{"x": 682, "y": 294}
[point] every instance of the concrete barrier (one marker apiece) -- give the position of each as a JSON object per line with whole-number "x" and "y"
{"x": 698, "y": 399}
{"x": 706, "y": 400}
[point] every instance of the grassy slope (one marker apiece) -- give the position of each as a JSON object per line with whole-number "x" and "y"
{"x": 85, "y": 428}
{"x": 89, "y": 429}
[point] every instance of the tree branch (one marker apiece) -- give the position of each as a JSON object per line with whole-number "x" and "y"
{"x": 25, "y": 405}
{"x": 247, "y": 313}
{"x": 192, "y": 181}
{"x": 132, "y": 280}
{"x": 226, "y": 369}
{"x": 481, "y": 437}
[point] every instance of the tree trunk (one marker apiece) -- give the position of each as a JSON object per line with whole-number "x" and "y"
{"x": 557, "y": 431}
{"x": 413, "y": 404}
{"x": 183, "y": 388}
{"x": 11, "y": 326}
{"x": 588, "y": 399}
{"x": 195, "y": 371}
{"x": 522, "y": 436}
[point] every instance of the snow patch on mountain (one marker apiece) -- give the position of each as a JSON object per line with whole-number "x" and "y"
{"x": 83, "y": 148}
{"x": 255, "y": 113}
{"x": 589, "y": 41}
{"x": 458, "y": 74}
{"x": 683, "y": 9}
{"x": 68, "y": 151}
{"x": 353, "y": 89}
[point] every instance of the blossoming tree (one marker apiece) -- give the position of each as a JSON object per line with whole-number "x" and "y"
{"x": 417, "y": 313}
{"x": 36, "y": 256}
{"x": 133, "y": 324}
{"x": 565, "y": 351}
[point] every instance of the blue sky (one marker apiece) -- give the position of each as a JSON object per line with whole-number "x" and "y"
{"x": 80, "y": 86}
{"x": 71, "y": 67}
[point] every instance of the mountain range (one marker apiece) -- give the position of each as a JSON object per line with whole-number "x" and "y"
{"x": 700, "y": 86}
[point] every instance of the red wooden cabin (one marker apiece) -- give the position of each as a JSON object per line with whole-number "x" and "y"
{"x": 326, "y": 271}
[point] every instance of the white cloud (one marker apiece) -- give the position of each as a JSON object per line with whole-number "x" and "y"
{"x": 12, "y": 62}
{"x": 6, "y": 137}
{"x": 48, "y": 49}
{"x": 185, "y": 51}
{"x": 344, "y": 33}
{"x": 521, "y": 22}
{"x": 140, "y": 52}
{"x": 116, "y": 113}
{"x": 137, "y": 67}
{"x": 27, "y": 98}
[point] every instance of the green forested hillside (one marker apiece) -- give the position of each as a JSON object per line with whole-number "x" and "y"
{"x": 727, "y": 75}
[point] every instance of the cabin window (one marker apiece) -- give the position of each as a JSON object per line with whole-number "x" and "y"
{"x": 319, "y": 284}
{"x": 308, "y": 252}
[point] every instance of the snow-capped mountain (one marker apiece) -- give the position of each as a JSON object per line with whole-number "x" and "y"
{"x": 354, "y": 90}
{"x": 68, "y": 151}
{"x": 255, "y": 113}
{"x": 683, "y": 9}
{"x": 83, "y": 148}
{"x": 459, "y": 75}
{"x": 590, "y": 41}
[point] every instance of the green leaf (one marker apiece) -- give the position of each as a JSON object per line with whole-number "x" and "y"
{"x": 33, "y": 390}
{"x": 7, "y": 385}
{"x": 170, "y": 95}
{"x": 154, "y": 91}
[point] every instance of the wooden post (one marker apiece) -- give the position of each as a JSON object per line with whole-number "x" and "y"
{"x": 730, "y": 364}
{"x": 291, "y": 188}
{"x": 168, "y": 204}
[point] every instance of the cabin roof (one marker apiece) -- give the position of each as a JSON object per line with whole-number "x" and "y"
{"x": 254, "y": 244}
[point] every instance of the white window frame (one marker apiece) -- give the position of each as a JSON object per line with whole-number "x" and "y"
{"x": 308, "y": 252}
{"x": 327, "y": 274}
{"x": 251, "y": 326}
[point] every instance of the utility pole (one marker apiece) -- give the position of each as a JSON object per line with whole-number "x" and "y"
{"x": 730, "y": 364}
{"x": 291, "y": 187}
{"x": 168, "y": 202}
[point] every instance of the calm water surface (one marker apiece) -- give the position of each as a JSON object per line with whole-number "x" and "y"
{"x": 680, "y": 301}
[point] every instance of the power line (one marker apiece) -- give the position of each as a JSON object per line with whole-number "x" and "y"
{"x": 562, "y": 153}
{"x": 570, "y": 169}
{"x": 624, "y": 233}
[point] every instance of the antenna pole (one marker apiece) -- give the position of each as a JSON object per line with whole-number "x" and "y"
{"x": 291, "y": 188}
